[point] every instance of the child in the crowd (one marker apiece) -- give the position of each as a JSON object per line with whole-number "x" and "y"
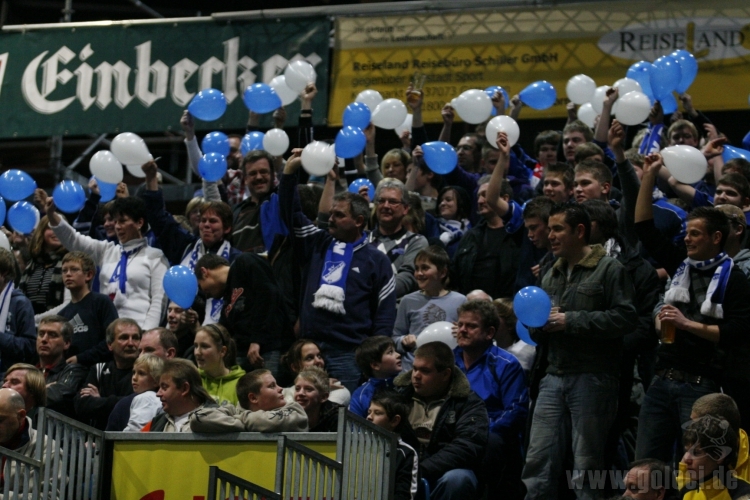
{"x": 133, "y": 412}
{"x": 303, "y": 354}
{"x": 432, "y": 303}
{"x": 90, "y": 313}
{"x": 215, "y": 355}
{"x": 390, "y": 410}
{"x": 379, "y": 362}
{"x": 311, "y": 389}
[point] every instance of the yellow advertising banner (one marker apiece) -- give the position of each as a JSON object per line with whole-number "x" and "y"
{"x": 515, "y": 47}
{"x": 151, "y": 470}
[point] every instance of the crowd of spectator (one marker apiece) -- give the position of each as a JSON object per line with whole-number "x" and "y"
{"x": 312, "y": 298}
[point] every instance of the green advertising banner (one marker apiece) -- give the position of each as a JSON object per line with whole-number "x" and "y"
{"x": 139, "y": 77}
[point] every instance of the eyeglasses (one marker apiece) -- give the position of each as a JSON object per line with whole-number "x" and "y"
{"x": 386, "y": 201}
{"x": 465, "y": 147}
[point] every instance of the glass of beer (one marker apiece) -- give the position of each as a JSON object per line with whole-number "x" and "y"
{"x": 668, "y": 330}
{"x": 417, "y": 83}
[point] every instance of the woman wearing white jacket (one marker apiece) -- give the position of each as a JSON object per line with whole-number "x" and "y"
{"x": 131, "y": 272}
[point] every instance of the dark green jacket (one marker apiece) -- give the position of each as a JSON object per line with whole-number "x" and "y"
{"x": 597, "y": 301}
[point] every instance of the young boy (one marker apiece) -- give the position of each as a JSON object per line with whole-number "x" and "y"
{"x": 379, "y": 362}
{"x": 558, "y": 182}
{"x": 390, "y": 410}
{"x": 90, "y": 313}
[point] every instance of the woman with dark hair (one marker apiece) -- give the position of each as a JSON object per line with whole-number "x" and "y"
{"x": 304, "y": 354}
{"x": 454, "y": 209}
{"x": 42, "y": 280}
{"x": 131, "y": 272}
{"x": 215, "y": 355}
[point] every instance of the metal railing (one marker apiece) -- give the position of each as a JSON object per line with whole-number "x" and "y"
{"x": 20, "y": 475}
{"x": 70, "y": 457}
{"x": 368, "y": 453}
{"x": 305, "y": 473}
{"x": 222, "y": 485}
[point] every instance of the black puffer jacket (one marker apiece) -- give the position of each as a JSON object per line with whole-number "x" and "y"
{"x": 460, "y": 432}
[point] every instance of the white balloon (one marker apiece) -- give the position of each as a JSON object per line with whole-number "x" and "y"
{"x": 597, "y": 102}
{"x": 286, "y": 94}
{"x": 587, "y": 114}
{"x": 4, "y": 243}
{"x": 105, "y": 167}
{"x": 298, "y": 74}
{"x": 686, "y": 163}
{"x": 318, "y": 158}
{"x": 389, "y": 114}
{"x": 370, "y": 97}
{"x": 625, "y": 85}
{"x": 136, "y": 171}
{"x": 473, "y": 106}
{"x": 499, "y": 124}
{"x": 580, "y": 89}
{"x": 404, "y": 126}
{"x": 438, "y": 332}
{"x": 276, "y": 141}
{"x": 633, "y": 108}
{"x": 130, "y": 149}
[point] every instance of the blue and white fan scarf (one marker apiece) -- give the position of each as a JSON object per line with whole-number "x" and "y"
{"x": 679, "y": 291}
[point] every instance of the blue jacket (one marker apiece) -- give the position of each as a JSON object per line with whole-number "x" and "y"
{"x": 370, "y": 300}
{"x": 18, "y": 338}
{"x": 362, "y": 396}
{"x": 497, "y": 377}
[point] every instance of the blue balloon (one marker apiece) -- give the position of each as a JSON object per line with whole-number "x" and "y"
{"x": 181, "y": 286}
{"x": 731, "y": 152}
{"x": 69, "y": 196}
{"x": 212, "y": 167}
{"x": 251, "y": 142}
{"x": 668, "y": 103}
{"x": 491, "y": 92}
{"x": 688, "y": 69}
{"x": 539, "y": 95}
{"x": 106, "y": 190}
{"x": 357, "y": 114}
{"x": 16, "y": 185}
{"x": 358, "y": 183}
{"x": 23, "y": 217}
{"x": 532, "y": 306}
{"x": 641, "y": 73}
{"x": 523, "y": 333}
{"x": 215, "y": 142}
{"x": 350, "y": 142}
{"x": 261, "y": 98}
{"x": 746, "y": 141}
{"x": 440, "y": 156}
{"x": 208, "y": 105}
{"x": 2, "y": 211}
{"x": 665, "y": 77}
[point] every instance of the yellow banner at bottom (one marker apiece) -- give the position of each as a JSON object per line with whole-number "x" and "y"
{"x": 148, "y": 470}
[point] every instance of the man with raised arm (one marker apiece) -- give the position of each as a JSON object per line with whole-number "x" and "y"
{"x": 349, "y": 289}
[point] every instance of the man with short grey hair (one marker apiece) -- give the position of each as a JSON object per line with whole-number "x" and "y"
{"x": 392, "y": 238}
{"x": 108, "y": 382}
{"x": 53, "y": 339}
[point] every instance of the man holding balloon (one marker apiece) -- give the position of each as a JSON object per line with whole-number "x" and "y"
{"x": 577, "y": 399}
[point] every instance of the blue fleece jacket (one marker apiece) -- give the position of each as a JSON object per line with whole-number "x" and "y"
{"x": 497, "y": 377}
{"x": 362, "y": 396}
